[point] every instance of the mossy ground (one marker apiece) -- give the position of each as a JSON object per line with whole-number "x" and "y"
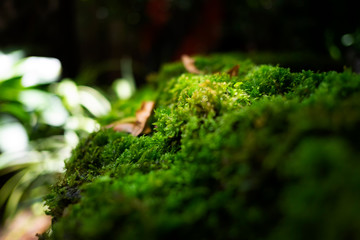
{"x": 266, "y": 154}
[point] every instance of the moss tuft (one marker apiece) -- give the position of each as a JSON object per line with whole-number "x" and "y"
{"x": 266, "y": 154}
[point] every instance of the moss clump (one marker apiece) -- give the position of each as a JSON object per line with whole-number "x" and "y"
{"x": 266, "y": 154}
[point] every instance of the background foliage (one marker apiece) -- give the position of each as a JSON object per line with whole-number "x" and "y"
{"x": 40, "y": 122}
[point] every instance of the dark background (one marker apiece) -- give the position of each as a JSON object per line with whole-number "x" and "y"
{"x": 96, "y": 34}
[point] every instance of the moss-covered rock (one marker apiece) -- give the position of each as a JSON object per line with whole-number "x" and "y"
{"x": 266, "y": 154}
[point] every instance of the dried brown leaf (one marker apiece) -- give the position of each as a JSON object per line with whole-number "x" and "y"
{"x": 138, "y": 125}
{"x": 189, "y": 64}
{"x": 233, "y": 71}
{"x": 142, "y": 116}
{"x": 122, "y": 126}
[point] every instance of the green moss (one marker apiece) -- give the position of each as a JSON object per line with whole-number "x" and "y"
{"x": 266, "y": 154}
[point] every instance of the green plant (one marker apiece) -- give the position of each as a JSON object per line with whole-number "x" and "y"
{"x": 265, "y": 154}
{"x": 41, "y": 120}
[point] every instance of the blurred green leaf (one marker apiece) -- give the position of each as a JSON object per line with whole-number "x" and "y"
{"x": 17, "y": 110}
{"x": 9, "y": 186}
{"x": 10, "y": 89}
{"x": 55, "y": 116}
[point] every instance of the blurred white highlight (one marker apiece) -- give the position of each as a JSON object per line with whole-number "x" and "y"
{"x": 39, "y": 70}
{"x": 123, "y": 88}
{"x": 13, "y": 136}
{"x": 53, "y": 112}
{"x": 7, "y": 63}
{"x": 96, "y": 103}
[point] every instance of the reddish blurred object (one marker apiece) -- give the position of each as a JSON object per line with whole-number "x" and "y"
{"x": 205, "y": 33}
{"x": 201, "y": 37}
{"x": 158, "y": 12}
{"x": 25, "y": 226}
